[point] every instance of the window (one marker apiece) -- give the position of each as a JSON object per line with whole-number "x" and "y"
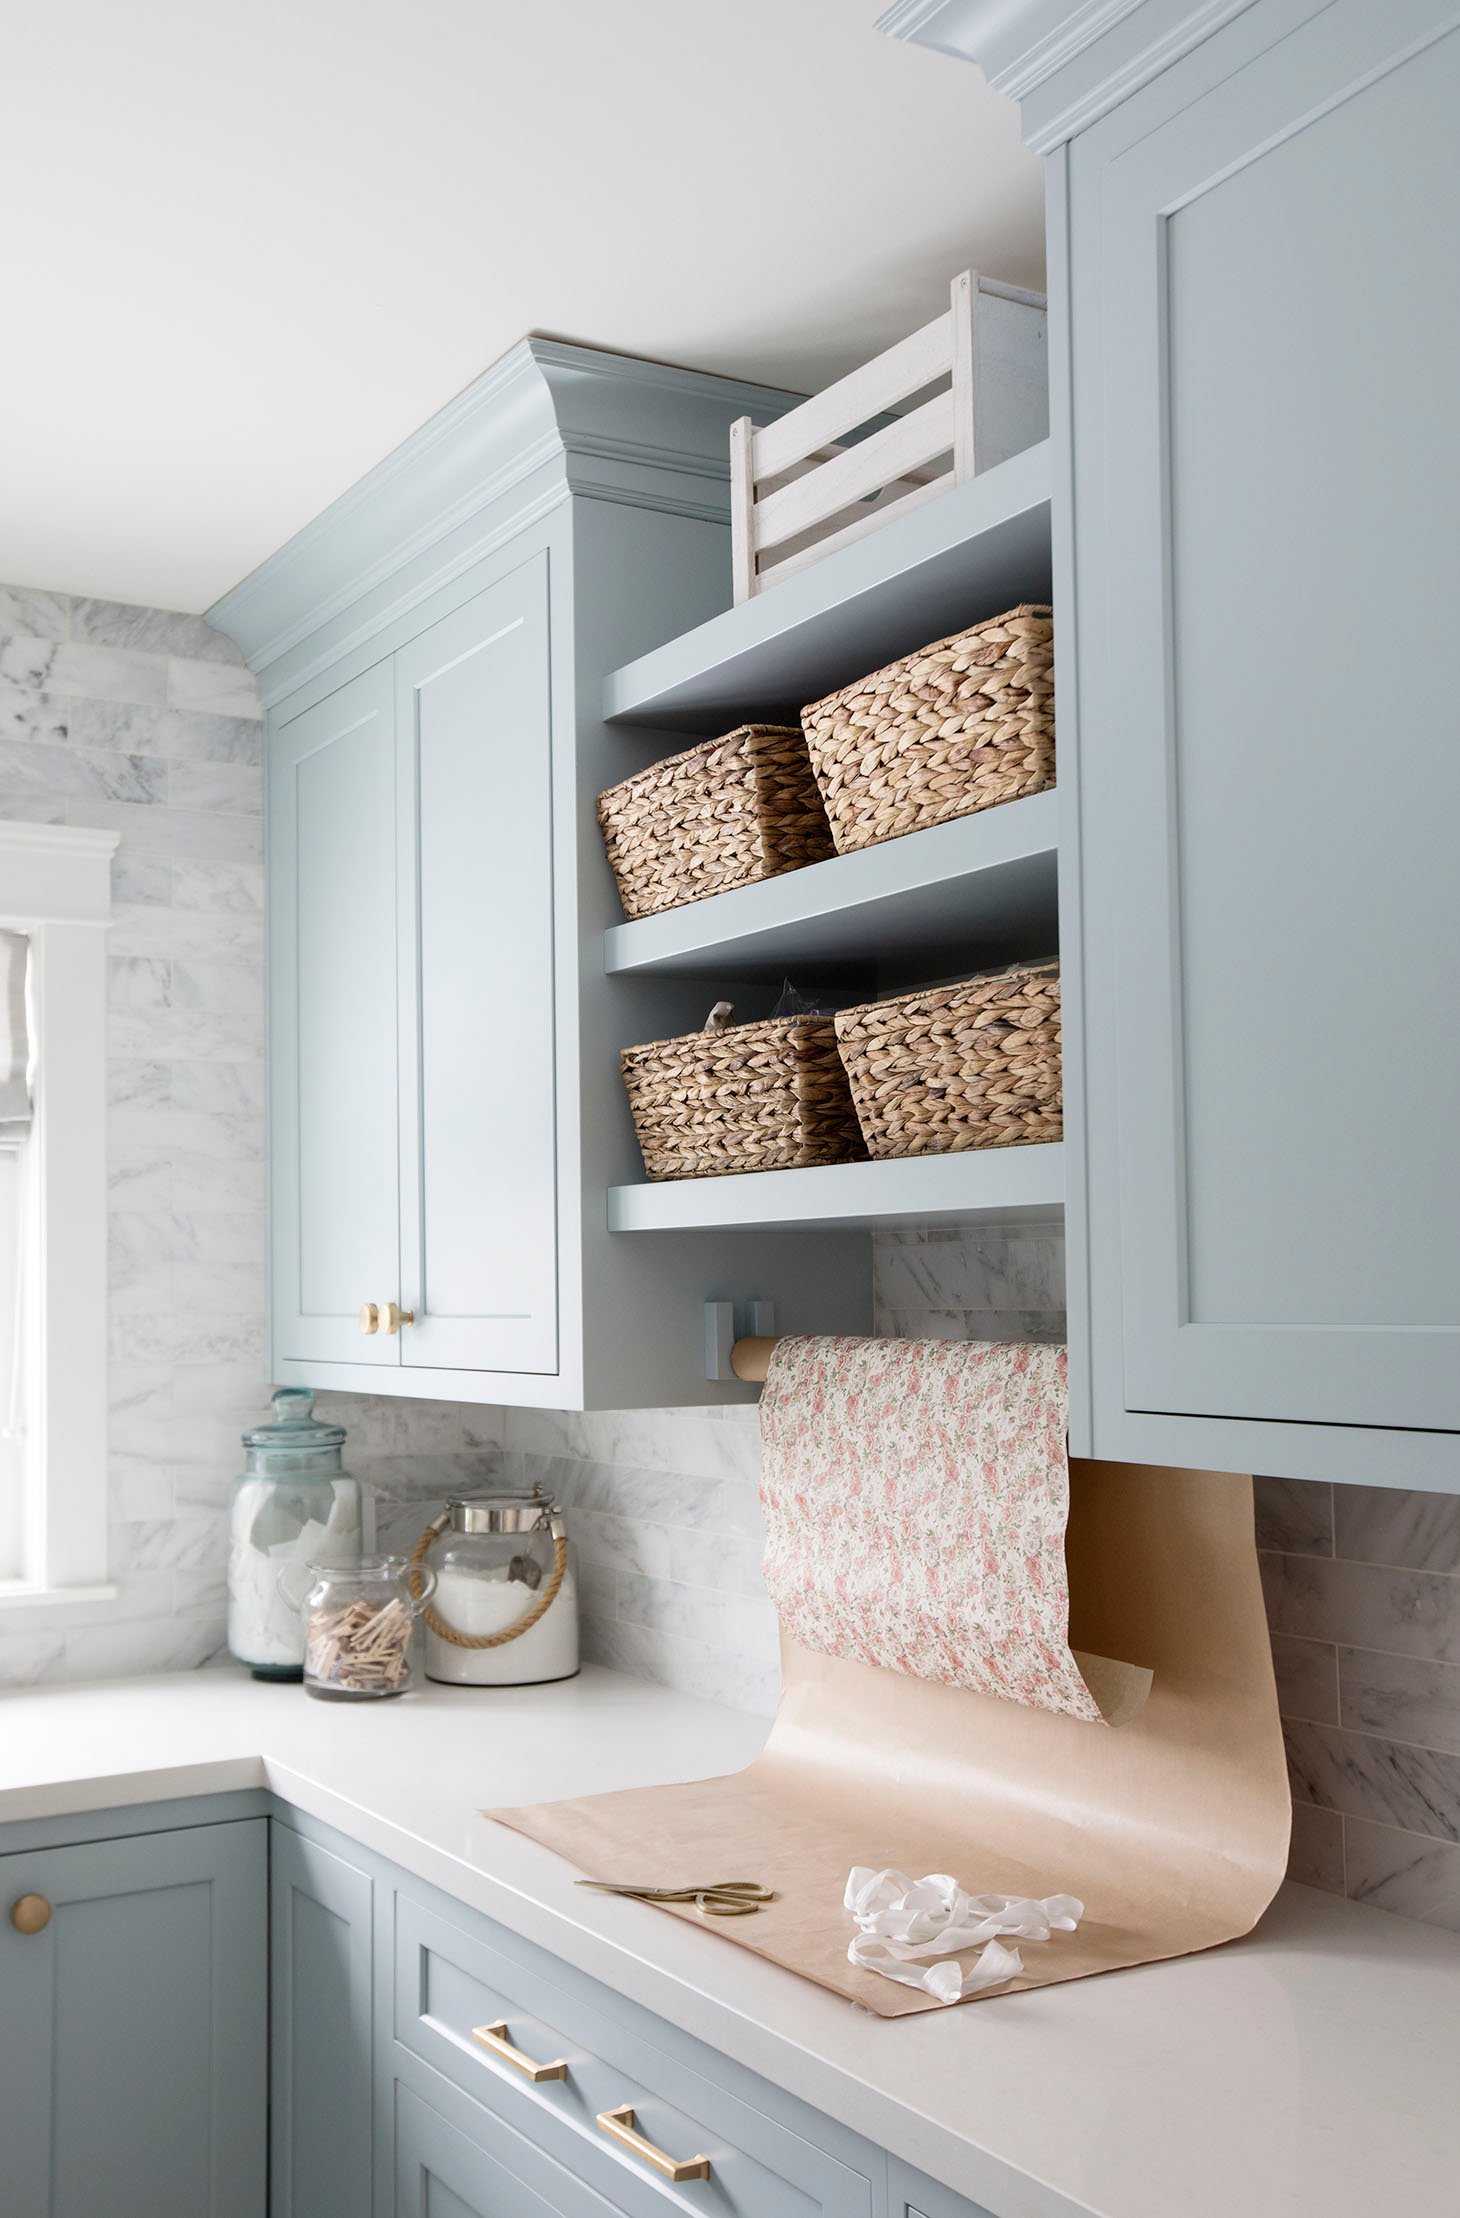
{"x": 55, "y": 905}
{"x": 18, "y": 1286}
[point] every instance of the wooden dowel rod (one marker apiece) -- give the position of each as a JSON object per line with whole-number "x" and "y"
{"x": 750, "y": 1358}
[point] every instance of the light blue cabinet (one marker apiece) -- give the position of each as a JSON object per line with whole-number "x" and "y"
{"x": 321, "y": 2085}
{"x": 133, "y": 2027}
{"x": 1253, "y": 246}
{"x": 447, "y": 1113}
{"x": 1267, "y": 467}
{"x": 412, "y": 993}
{"x": 334, "y": 1064}
{"x": 256, "y": 2011}
{"x": 443, "y": 2172}
{"x": 475, "y": 919}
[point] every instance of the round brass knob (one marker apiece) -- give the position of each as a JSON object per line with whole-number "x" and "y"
{"x": 369, "y": 1317}
{"x": 30, "y": 1914}
{"x": 392, "y": 1318}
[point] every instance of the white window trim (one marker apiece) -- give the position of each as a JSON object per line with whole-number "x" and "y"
{"x": 55, "y": 886}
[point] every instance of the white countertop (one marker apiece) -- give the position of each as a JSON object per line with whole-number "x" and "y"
{"x": 1307, "y": 2072}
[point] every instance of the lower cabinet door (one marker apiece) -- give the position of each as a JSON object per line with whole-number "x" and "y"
{"x": 321, "y": 1950}
{"x": 133, "y": 2027}
{"x": 442, "y": 2172}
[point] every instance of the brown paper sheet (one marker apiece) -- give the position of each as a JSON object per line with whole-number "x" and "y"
{"x": 1172, "y": 1828}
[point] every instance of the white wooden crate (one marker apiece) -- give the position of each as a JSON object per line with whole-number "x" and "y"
{"x": 797, "y": 490}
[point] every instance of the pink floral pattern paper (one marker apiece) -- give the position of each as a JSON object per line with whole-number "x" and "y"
{"x": 916, "y": 1496}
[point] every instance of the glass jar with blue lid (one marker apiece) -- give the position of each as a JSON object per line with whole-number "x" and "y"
{"x": 293, "y": 1506}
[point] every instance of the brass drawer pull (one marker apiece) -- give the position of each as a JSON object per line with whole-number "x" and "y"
{"x": 494, "y": 2037}
{"x": 619, "y": 2126}
{"x": 30, "y": 1914}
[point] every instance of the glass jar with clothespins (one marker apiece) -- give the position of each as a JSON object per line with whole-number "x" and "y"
{"x": 358, "y": 1622}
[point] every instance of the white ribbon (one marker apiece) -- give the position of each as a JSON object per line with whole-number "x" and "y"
{"x": 903, "y": 1919}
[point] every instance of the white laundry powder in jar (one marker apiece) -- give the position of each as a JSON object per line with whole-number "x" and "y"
{"x": 481, "y": 1601}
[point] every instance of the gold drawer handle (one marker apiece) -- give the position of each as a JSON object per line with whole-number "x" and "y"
{"x": 494, "y": 2037}
{"x": 619, "y": 2126}
{"x": 30, "y": 1914}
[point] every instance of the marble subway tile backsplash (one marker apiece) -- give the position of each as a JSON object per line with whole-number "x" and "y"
{"x": 147, "y": 721}
{"x": 665, "y": 1515}
{"x": 1363, "y": 1598}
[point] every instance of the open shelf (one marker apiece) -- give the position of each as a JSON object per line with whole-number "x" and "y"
{"x": 975, "y": 893}
{"x": 981, "y": 1186}
{"x": 980, "y": 548}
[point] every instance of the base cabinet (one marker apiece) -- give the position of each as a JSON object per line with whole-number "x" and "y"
{"x": 133, "y": 2027}
{"x": 321, "y": 2095}
{"x": 258, "y": 2018}
{"x": 443, "y": 2172}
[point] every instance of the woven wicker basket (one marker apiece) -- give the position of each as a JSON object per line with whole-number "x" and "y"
{"x": 722, "y": 814}
{"x": 753, "y": 1097}
{"x": 959, "y": 726}
{"x": 970, "y": 1066}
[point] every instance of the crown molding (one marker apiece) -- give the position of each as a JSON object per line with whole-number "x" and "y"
{"x": 1068, "y": 62}
{"x": 568, "y": 418}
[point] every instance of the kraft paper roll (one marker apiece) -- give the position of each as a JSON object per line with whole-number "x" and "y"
{"x": 1171, "y": 1828}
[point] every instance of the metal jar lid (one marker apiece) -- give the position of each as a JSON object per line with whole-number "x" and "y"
{"x": 501, "y": 1513}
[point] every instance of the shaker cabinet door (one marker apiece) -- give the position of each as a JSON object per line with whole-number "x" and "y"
{"x": 321, "y": 1955}
{"x": 1267, "y": 477}
{"x": 334, "y": 1172}
{"x": 133, "y": 2028}
{"x": 477, "y": 1096}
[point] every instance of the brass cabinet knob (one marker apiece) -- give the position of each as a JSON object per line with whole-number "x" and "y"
{"x": 392, "y": 1318}
{"x": 30, "y": 1914}
{"x": 369, "y": 1317}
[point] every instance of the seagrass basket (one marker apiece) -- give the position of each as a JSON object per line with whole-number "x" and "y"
{"x": 722, "y": 814}
{"x": 956, "y": 727}
{"x": 969, "y": 1066}
{"x": 751, "y": 1097}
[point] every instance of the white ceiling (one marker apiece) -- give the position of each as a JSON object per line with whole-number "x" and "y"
{"x": 250, "y": 248}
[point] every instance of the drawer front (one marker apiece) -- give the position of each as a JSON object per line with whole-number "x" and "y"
{"x": 442, "y": 2171}
{"x": 449, "y": 1981}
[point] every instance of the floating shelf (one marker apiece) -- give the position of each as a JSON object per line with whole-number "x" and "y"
{"x": 978, "y": 549}
{"x": 976, "y": 892}
{"x": 982, "y": 1186}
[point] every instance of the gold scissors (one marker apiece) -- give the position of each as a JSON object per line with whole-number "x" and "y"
{"x": 723, "y": 1898}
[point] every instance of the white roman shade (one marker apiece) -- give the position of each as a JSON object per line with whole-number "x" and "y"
{"x": 14, "y": 1034}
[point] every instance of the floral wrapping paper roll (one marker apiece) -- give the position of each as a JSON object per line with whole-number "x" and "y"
{"x": 916, "y": 1496}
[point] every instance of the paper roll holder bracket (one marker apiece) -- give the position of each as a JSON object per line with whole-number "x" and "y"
{"x": 739, "y": 1355}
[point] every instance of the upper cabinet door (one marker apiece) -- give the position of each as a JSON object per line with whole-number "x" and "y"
{"x": 332, "y": 991}
{"x": 478, "y": 1125}
{"x": 1267, "y": 457}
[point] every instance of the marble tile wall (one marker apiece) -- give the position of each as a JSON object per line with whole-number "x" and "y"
{"x": 147, "y": 722}
{"x": 665, "y": 1514}
{"x": 1363, "y": 1597}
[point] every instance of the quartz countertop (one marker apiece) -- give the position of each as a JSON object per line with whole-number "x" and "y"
{"x": 1306, "y": 2072}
